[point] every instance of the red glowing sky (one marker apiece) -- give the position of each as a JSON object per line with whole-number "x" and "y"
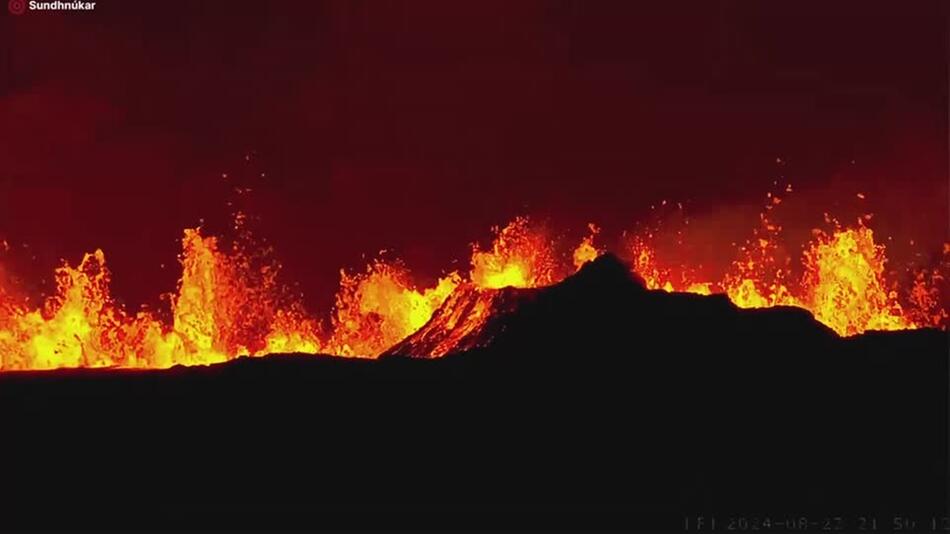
{"x": 414, "y": 126}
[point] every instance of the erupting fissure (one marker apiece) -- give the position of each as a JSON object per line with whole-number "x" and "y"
{"x": 230, "y": 301}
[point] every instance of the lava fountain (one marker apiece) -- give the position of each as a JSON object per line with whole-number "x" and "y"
{"x": 231, "y": 302}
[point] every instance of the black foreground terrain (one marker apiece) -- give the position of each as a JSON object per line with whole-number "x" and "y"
{"x": 657, "y": 406}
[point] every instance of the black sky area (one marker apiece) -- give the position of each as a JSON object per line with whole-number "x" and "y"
{"x": 414, "y": 126}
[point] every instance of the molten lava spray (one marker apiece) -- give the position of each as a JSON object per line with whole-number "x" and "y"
{"x": 519, "y": 257}
{"x": 231, "y": 302}
{"x": 378, "y": 308}
{"x": 586, "y": 251}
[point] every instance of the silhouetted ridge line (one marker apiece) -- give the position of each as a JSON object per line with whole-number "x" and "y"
{"x": 601, "y": 302}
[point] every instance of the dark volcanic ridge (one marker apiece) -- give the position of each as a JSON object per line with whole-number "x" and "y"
{"x": 482, "y": 319}
{"x": 591, "y": 390}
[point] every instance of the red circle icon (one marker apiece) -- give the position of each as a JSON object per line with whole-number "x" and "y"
{"x": 17, "y": 7}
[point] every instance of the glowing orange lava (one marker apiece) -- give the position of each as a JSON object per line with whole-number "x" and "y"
{"x": 844, "y": 284}
{"x": 228, "y": 304}
{"x": 230, "y": 300}
{"x": 380, "y": 307}
{"x": 586, "y": 251}
{"x": 520, "y": 257}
